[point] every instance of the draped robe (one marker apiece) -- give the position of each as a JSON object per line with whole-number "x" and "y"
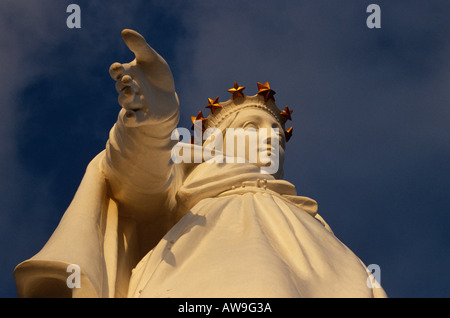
{"x": 240, "y": 233}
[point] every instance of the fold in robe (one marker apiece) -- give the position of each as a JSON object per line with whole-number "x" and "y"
{"x": 253, "y": 239}
{"x": 245, "y": 235}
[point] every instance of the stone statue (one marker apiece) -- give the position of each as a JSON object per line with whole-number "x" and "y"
{"x": 142, "y": 225}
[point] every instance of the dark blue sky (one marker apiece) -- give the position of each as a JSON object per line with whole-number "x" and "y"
{"x": 371, "y": 112}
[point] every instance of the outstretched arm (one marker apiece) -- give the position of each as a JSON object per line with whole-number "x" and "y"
{"x": 138, "y": 163}
{"x": 113, "y": 235}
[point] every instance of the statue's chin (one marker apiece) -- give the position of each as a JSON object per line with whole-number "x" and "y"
{"x": 270, "y": 167}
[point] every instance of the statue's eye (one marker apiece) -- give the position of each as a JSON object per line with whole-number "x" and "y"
{"x": 249, "y": 124}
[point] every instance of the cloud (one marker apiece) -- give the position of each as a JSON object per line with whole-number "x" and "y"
{"x": 30, "y": 30}
{"x": 21, "y": 193}
{"x": 370, "y": 109}
{"x": 58, "y": 104}
{"x": 370, "y": 112}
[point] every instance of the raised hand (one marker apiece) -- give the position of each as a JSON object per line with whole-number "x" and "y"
{"x": 145, "y": 85}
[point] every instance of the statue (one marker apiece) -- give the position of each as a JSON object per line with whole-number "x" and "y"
{"x": 142, "y": 224}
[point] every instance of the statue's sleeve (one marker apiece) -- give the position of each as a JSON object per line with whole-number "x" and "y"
{"x": 82, "y": 239}
{"x": 138, "y": 165}
{"x": 135, "y": 169}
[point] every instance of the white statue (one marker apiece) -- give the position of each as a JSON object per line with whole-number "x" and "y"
{"x": 141, "y": 225}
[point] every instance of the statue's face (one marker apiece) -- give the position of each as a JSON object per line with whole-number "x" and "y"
{"x": 270, "y": 144}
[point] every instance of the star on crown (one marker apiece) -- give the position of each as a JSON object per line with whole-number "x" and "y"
{"x": 286, "y": 114}
{"x": 213, "y": 104}
{"x": 197, "y": 119}
{"x": 237, "y": 90}
{"x": 288, "y": 134}
{"x": 264, "y": 90}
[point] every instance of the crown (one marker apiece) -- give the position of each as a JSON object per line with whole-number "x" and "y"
{"x": 264, "y": 100}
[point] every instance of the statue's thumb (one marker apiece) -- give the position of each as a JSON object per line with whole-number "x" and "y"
{"x": 137, "y": 44}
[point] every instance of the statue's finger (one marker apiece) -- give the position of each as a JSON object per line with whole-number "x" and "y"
{"x": 137, "y": 44}
{"x": 116, "y": 70}
{"x": 125, "y": 82}
{"x": 120, "y": 86}
{"x": 127, "y": 79}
